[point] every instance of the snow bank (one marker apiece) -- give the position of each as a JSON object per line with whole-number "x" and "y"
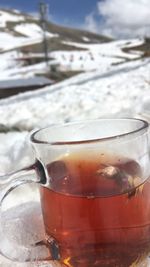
{"x": 32, "y": 29}
{"x": 9, "y": 41}
{"x": 120, "y": 91}
{"x": 7, "y": 16}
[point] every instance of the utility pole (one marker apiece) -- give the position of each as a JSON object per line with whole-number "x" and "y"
{"x": 44, "y": 11}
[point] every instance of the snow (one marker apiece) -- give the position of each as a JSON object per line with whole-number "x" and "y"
{"x": 15, "y": 151}
{"x": 101, "y": 57}
{"x": 86, "y": 39}
{"x": 11, "y": 42}
{"x": 11, "y": 68}
{"x": 17, "y": 221}
{"x": 83, "y": 61}
{"x": 120, "y": 90}
{"x": 31, "y": 32}
{"x": 25, "y": 72}
{"x": 112, "y": 84}
{"x": 7, "y": 16}
{"x": 31, "y": 29}
{"x": 96, "y": 56}
{"x": 112, "y": 49}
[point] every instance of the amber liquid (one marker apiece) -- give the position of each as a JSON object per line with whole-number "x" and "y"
{"x": 97, "y": 211}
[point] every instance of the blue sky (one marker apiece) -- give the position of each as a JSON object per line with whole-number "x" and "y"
{"x": 69, "y": 12}
{"x": 116, "y": 18}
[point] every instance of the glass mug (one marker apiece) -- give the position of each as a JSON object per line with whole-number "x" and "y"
{"x": 94, "y": 191}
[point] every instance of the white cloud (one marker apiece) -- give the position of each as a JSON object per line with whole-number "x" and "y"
{"x": 127, "y": 18}
{"x": 90, "y": 23}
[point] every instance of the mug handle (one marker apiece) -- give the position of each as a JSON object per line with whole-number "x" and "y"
{"x": 35, "y": 252}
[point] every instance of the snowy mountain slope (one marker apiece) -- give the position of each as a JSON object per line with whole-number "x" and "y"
{"x": 111, "y": 77}
{"x": 21, "y": 36}
{"x": 96, "y": 56}
{"x": 9, "y": 38}
{"x": 30, "y": 29}
{"x": 112, "y": 49}
{"x": 22, "y": 32}
{"x": 13, "y": 16}
{"x": 117, "y": 92}
{"x": 23, "y": 25}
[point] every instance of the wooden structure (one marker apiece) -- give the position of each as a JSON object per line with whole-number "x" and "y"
{"x": 16, "y": 86}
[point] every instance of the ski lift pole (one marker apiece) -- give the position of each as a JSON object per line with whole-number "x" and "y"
{"x": 43, "y": 19}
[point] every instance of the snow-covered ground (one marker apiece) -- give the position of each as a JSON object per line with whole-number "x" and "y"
{"x": 101, "y": 57}
{"x": 120, "y": 90}
{"x": 31, "y": 29}
{"x": 104, "y": 89}
{"x": 7, "y": 16}
{"x": 111, "y": 49}
{"x": 31, "y": 32}
{"x": 113, "y": 84}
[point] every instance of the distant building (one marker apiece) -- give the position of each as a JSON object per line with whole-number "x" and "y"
{"x": 15, "y": 86}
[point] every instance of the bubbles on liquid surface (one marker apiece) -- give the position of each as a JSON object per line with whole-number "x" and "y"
{"x": 94, "y": 177}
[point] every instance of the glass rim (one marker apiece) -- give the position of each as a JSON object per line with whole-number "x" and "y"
{"x": 35, "y": 140}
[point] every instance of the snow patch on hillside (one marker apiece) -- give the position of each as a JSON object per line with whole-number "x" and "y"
{"x": 32, "y": 29}
{"x": 112, "y": 49}
{"x": 7, "y": 16}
